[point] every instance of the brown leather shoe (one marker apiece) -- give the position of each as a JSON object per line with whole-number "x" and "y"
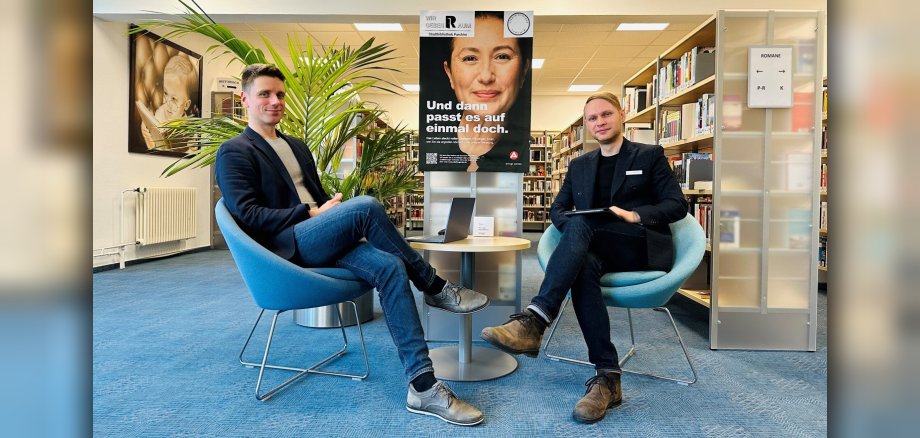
{"x": 603, "y": 393}
{"x": 521, "y": 334}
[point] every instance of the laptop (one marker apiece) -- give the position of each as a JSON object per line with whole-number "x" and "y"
{"x": 587, "y": 211}
{"x": 458, "y": 223}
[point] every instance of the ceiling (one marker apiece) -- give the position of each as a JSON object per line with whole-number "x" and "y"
{"x": 577, "y": 49}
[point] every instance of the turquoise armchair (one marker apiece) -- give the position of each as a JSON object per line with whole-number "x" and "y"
{"x": 639, "y": 290}
{"x": 279, "y": 285}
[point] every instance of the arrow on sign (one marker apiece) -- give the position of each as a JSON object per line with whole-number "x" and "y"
{"x": 759, "y": 71}
{"x": 782, "y": 71}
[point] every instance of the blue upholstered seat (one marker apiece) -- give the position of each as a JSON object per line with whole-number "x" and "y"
{"x": 279, "y": 285}
{"x": 642, "y": 289}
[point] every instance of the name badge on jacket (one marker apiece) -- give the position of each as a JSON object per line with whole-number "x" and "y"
{"x": 634, "y": 172}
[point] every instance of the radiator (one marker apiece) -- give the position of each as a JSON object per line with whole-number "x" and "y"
{"x": 165, "y": 215}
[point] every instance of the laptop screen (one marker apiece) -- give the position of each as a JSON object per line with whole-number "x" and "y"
{"x": 459, "y": 219}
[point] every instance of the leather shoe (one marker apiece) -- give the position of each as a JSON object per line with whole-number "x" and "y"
{"x": 522, "y": 334}
{"x": 457, "y": 299}
{"x": 603, "y": 393}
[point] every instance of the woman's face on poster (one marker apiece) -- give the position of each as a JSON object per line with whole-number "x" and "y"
{"x": 487, "y": 68}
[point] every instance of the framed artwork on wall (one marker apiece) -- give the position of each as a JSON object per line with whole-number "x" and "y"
{"x": 165, "y": 85}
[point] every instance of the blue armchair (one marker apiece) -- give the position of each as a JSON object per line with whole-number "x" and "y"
{"x": 639, "y": 290}
{"x": 279, "y": 285}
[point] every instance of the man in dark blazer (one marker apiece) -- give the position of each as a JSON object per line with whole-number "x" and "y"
{"x": 638, "y": 196}
{"x": 270, "y": 185}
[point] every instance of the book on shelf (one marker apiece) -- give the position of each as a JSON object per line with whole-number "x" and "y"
{"x": 822, "y": 220}
{"x": 670, "y": 128}
{"x": 704, "y": 64}
{"x": 824, "y": 138}
{"x": 635, "y": 99}
{"x": 701, "y": 209}
{"x": 707, "y": 115}
{"x": 640, "y": 133}
{"x": 697, "y": 168}
{"x": 536, "y": 155}
{"x": 688, "y": 120}
{"x": 822, "y": 251}
{"x": 730, "y": 228}
{"x": 824, "y": 103}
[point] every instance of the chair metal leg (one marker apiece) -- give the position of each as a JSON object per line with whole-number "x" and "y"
{"x": 552, "y": 332}
{"x": 680, "y": 339}
{"x": 632, "y": 347}
{"x": 313, "y": 369}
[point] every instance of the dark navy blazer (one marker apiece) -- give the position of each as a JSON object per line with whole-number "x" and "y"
{"x": 259, "y": 192}
{"x": 643, "y": 182}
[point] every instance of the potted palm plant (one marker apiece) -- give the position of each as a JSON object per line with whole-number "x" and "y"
{"x": 322, "y": 102}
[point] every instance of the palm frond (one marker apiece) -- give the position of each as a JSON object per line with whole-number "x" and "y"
{"x": 322, "y": 105}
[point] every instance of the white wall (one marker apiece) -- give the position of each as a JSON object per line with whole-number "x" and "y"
{"x": 114, "y": 169}
{"x": 550, "y": 113}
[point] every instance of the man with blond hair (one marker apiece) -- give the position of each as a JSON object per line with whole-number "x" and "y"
{"x": 639, "y": 197}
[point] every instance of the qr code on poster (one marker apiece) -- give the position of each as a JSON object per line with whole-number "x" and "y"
{"x": 431, "y": 158}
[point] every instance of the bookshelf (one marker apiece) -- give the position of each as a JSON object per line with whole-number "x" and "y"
{"x": 759, "y": 275}
{"x": 671, "y": 102}
{"x": 415, "y": 198}
{"x": 228, "y": 104}
{"x": 570, "y": 143}
{"x": 764, "y": 279}
{"x": 822, "y": 186}
{"x": 537, "y": 188}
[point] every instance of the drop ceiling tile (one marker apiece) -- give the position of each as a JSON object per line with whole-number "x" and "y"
{"x": 584, "y": 52}
{"x": 581, "y": 38}
{"x": 668, "y": 37}
{"x": 276, "y": 27}
{"x": 339, "y": 38}
{"x": 588, "y": 27}
{"x": 630, "y": 38}
{"x": 652, "y": 51}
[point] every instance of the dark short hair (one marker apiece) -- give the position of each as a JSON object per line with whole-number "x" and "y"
{"x": 608, "y": 96}
{"x": 253, "y": 71}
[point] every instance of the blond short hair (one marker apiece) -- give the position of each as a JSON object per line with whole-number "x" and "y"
{"x": 608, "y": 96}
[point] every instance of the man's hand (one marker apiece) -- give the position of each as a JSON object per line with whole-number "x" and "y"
{"x": 628, "y": 216}
{"x": 336, "y": 200}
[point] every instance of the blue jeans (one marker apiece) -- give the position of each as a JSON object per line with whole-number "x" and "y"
{"x": 385, "y": 260}
{"x": 587, "y": 250}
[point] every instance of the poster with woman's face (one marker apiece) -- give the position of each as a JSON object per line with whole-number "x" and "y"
{"x": 474, "y": 100}
{"x": 165, "y": 86}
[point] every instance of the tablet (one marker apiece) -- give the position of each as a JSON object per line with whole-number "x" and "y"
{"x": 587, "y": 211}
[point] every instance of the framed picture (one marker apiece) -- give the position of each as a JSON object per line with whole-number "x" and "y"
{"x": 165, "y": 84}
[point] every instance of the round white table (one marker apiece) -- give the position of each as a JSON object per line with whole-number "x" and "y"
{"x": 465, "y": 362}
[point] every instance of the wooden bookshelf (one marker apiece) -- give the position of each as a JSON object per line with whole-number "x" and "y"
{"x": 572, "y": 142}
{"x": 537, "y": 189}
{"x": 823, "y": 237}
{"x": 697, "y": 296}
{"x": 762, "y": 284}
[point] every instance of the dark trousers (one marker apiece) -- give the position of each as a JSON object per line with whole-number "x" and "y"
{"x": 589, "y": 248}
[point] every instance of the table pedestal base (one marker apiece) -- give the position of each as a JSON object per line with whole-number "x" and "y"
{"x": 485, "y": 364}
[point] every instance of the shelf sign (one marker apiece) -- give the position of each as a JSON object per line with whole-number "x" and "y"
{"x": 770, "y": 77}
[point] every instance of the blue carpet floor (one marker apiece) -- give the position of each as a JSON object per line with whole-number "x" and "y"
{"x": 166, "y": 335}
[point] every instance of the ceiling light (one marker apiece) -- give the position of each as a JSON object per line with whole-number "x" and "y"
{"x": 537, "y": 63}
{"x": 379, "y": 27}
{"x": 642, "y": 26}
{"x": 411, "y": 87}
{"x": 576, "y": 88}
